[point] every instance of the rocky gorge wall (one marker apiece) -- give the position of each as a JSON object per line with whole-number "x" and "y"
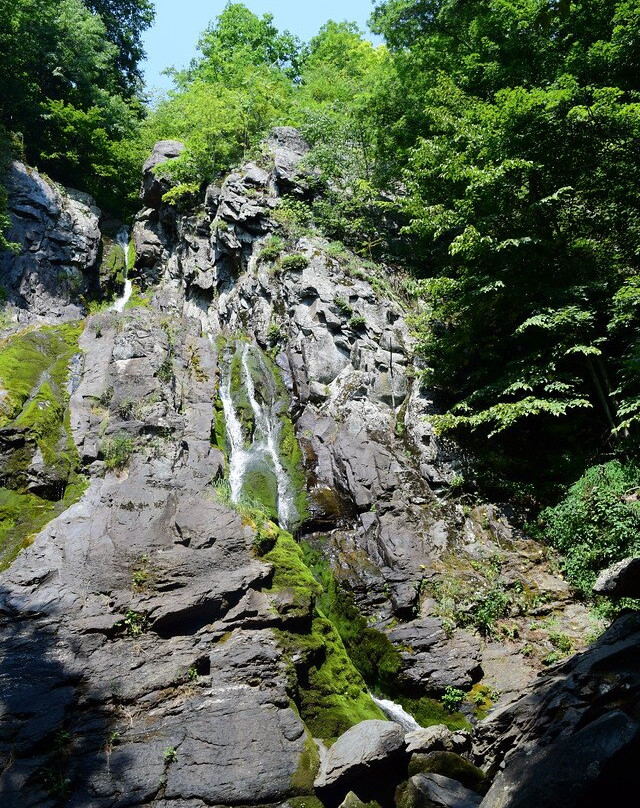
{"x": 165, "y": 640}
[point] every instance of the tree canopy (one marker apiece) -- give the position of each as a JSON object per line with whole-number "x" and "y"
{"x": 69, "y": 83}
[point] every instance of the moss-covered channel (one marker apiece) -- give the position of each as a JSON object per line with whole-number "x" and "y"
{"x": 40, "y": 463}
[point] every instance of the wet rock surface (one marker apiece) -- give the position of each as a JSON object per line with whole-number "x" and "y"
{"x": 146, "y": 643}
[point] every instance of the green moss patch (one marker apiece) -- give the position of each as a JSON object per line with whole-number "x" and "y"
{"x": 304, "y": 778}
{"x": 371, "y": 651}
{"x": 331, "y": 694}
{"x": 428, "y": 712}
{"x": 291, "y": 575}
{"x": 260, "y": 490}
{"x": 34, "y": 358}
{"x": 112, "y": 268}
{"x": 23, "y": 515}
{"x": 34, "y": 372}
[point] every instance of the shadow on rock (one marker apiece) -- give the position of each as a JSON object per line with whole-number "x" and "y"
{"x": 58, "y": 745}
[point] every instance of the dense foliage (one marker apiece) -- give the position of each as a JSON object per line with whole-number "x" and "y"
{"x": 516, "y": 132}
{"x": 69, "y": 85}
{"x": 598, "y": 522}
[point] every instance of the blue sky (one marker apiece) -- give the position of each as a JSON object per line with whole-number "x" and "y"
{"x": 178, "y": 24}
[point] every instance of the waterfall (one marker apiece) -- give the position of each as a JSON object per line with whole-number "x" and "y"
{"x": 260, "y": 450}
{"x": 122, "y": 240}
{"x": 397, "y": 713}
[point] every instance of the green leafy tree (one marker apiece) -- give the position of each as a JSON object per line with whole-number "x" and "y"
{"x": 597, "y": 523}
{"x": 68, "y": 80}
{"x": 240, "y": 86}
{"x": 514, "y": 129}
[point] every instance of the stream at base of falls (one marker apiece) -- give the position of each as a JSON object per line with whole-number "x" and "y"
{"x": 254, "y": 432}
{"x": 122, "y": 240}
{"x": 396, "y": 713}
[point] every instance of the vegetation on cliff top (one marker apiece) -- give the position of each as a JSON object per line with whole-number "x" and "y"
{"x": 71, "y": 89}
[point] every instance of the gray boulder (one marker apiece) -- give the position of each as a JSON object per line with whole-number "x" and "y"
{"x": 622, "y": 580}
{"x": 436, "y": 661}
{"x": 367, "y": 759}
{"x": 435, "y": 791}
{"x": 437, "y": 738}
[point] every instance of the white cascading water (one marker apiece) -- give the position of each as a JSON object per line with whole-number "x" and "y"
{"x": 238, "y": 457}
{"x": 265, "y": 440}
{"x": 122, "y": 240}
{"x": 397, "y": 713}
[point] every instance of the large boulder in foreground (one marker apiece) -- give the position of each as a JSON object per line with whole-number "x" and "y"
{"x": 361, "y": 759}
{"x": 572, "y": 740}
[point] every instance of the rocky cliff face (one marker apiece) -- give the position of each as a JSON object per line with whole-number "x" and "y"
{"x": 166, "y": 640}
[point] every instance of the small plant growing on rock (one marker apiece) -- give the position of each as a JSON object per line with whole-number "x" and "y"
{"x": 106, "y": 397}
{"x": 126, "y": 409}
{"x": 134, "y": 623}
{"x": 165, "y": 371}
{"x": 272, "y": 249}
{"x": 117, "y": 451}
{"x": 357, "y": 322}
{"x": 452, "y": 699}
{"x": 170, "y": 754}
{"x": 294, "y": 262}
{"x": 343, "y": 305}
{"x": 274, "y": 333}
{"x": 222, "y": 489}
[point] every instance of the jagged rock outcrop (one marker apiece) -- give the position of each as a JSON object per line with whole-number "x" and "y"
{"x": 161, "y": 644}
{"x": 569, "y": 742}
{"x": 154, "y": 185}
{"x": 57, "y": 230}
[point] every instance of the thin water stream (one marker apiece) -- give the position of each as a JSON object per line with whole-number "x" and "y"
{"x": 122, "y": 240}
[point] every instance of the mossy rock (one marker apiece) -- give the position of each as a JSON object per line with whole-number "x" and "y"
{"x": 332, "y": 696}
{"x": 429, "y": 712}
{"x": 292, "y": 575}
{"x": 450, "y": 765}
{"x": 23, "y": 515}
{"x": 304, "y": 802}
{"x": 34, "y": 372}
{"x": 260, "y": 489}
{"x": 353, "y": 801}
{"x": 308, "y": 766}
{"x": 112, "y": 266}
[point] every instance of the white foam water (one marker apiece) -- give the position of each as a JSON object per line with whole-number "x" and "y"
{"x": 397, "y": 713}
{"x": 266, "y": 437}
{"x": 122, "y": 239}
